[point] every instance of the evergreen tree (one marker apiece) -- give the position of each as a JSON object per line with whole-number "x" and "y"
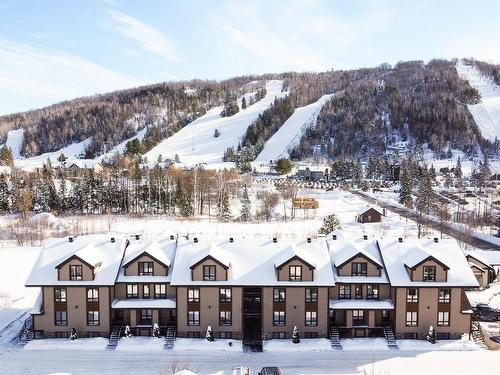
{"x": 5, "y": 197}
{"x": 246, "y": 207}
{"x": 457, "y": 172}
{"x": 63, "y": 191}
{"x": 243, "y": 103}
{"x": 230, "y": 106}
{"x": 216, "y": 133}
{"x": 406, "y": 184}
{"x": 224, "y": 213}
{"x": 62, "y": 158}
{"x": 284, "y": 166}
{"x": 425, "y": 194}
{"x": 6, "y": 157}
{"x": 330, "y": 223}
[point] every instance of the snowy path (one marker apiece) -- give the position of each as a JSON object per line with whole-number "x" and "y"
{"x": 289, "y": 134}
{"x": 487, "y": 112}
{"x": 196, "y": 143}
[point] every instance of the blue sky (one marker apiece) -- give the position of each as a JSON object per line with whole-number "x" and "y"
{"x": 54, "y": 50}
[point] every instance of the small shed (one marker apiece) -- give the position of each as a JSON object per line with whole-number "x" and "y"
{"x": 370, "y": 214}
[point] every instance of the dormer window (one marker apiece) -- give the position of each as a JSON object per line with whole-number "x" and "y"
{"x": 145, "y": 268}
{"x": 209, "y": 273}
{"x": 429, "y": 273}
{"x": 358, "y": 269}
{"x": 75, "y": 272}
{"x": 295, "y": 273}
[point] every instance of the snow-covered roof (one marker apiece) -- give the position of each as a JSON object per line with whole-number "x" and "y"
{"x": 38, "y": 306}
{"x": 252, "y": 261}
{"x": 477, "y": 266}
{"x": 362, "y": 304}
{"x": 164, "y": 303}
{"x": 364, "y": 209}
{"x": 397, "y": 254}
{"x": 160, "y": 248}
{"x": 344, "y": 249}
{"x": 213, "y": 251}
{"x": 97, "y": 250}
{"x": 479, "y": 255}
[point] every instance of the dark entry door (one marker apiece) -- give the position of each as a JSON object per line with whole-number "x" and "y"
{"x": 252, "y": 318}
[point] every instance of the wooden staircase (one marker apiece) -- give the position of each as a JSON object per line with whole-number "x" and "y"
{"x": 390, "y": 338}
{"x": 335, "y": 338}
{"x": 116, "y": 334}
{"x": 170, "y": 338}
{"x": 26, "y": 333}
{"x": 477, "y": 335}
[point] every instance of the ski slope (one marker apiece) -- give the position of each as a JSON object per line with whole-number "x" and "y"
{"x": 195, "y": 143}
{"x": 15, "y": 141}
{"x": 487, "y": 112}
{"x": 290, "y": 132}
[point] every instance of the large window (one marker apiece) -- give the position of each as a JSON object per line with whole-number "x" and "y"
{"x": 279, "y": 295}
{"x": 225, "y": 295}
{"x": 145, "y": 291}
{"x": 412, "y": 295}
{"x": 295, "y": 273}
{"x": 60, "y": 295}
{"x": 225, "y": 318}
{"x": 429, "y": 273}
{"x": 61, "y": 318}
{"x": 358, "y": 269}
{"x": 443, "y": 318}
{"x": 311, "y": 318}
{"x": 372, "y": 292}
{"x": 75, "y": 272}
{"x": 146, "y": 316}
{"x": 160, "y": 291}
{"x": 358, "y": 316}
{"x": 344, "y": 292}
{"x": 193, "y": 295}
{"x": 146, "y": 269}
{"x": 358, "y": 291}
{"x": 209, "y": 273}
{"x": 444, "y": 296}
{"x": 411, "y": 318}
{"x": 193, "y": 318}
{"x": 93, "y": 318}
{"x": 132, "y": 291}
{"x": 278, "y": 318}
{"x": 311, "y": 295}
{"x": 93, "y": 295}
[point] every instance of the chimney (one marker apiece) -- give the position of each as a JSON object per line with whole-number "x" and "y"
{"x": 171, "y": 236}
{"x": 308, "y": 240}
{"x": 231, "y": 239}
{"x": 365, "y": 237}
{"x": 112, "y": 240}
{"x": 195, "y": 239}
{"x": 400, "y": 239}
{"x": 334, "y": 237}
{"x": 137, "y": 236}
{"x": 436, "y": 240}
{"x": 275, "y": 239}
{"x": 70, "y": 239}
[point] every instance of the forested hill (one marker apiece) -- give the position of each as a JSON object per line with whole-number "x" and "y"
{"x": 371, "y": 109}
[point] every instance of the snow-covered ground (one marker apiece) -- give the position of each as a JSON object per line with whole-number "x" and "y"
{"x": 487, "y": 112}
{"x": 289, "y": 134}
{"x": 196, "y": 143}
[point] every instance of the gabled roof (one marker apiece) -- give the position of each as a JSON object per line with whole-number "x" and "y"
{"x": 209, "y": 257}
{"x": 293, "y": 252}
{"x": 146, "y": 253}
{"x": 474, "y": 265}
{"x": 478, "y": 258}
{"x": 214, "y": 253}
{"x": 367, "y": 208}
{"x": 74, "y": 257}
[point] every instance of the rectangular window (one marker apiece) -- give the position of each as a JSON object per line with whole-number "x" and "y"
{"x": 209, "y": 273}
{"x": 295, "y": 273}
{"x": 93, "y": 295}
{"x": 411, "y": 318}
{"x": 61, "y": 318}
{"x": 61, "y": 335}
{"x": 92, "y": 318}
{"x": 60, "y": 294}
{"x": 358, "y": 316}
{"x": 429, "y": 273}
{"x": 193, "y": 295}
{"x": 146, "y": 269}
{"x": 132, "y": 291}
{"x": 279, "y": 335}
{"x": 372, "y": 292}
{"x": 225, "y": 295}
{"x": 443, "y": 335}
{"x": 160, "y": 291}
{"x": 411, "y": 335}
{"x": 146, "y": 316}
{"x": 310, "y": 335}
{"x": 145, "y": 291}
{"x": 358, "y": 291}
{"x": 75, "y": 272}
{"x": 358, "y": 269}
{"x": 311, "y": 318}
{"x": 193, "y": 335}
{"x": 225, "y": 318}
{"x": 278, "y": 318}
{"x": 443, "y": 318}
{"x": 225, "y": 335}
{"x": 93, "y": 334}
{"x": 412, "y": 295}
{"x": 344, "y": 292}
{"x": 279, "y": 295}
{"x": 193, "y": 318}
{"x": 311, "y": 295}
{"x": 444, "y": 296}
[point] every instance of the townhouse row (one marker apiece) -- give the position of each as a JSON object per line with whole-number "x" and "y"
{"x": 252, "y": 289}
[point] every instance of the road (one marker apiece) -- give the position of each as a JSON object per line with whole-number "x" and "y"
{"x": 393, "y": 362}
{"x": 450, "y": 231}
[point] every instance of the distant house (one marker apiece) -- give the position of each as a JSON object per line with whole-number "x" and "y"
{"x": 312, "y": 173}
{"x": 305, "y": 203}
{"x": 485, "y": 273}
{"x": 370, "y": 214}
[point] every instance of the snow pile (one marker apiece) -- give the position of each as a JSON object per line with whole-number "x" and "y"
{"x": 305, "y": 345}
{"x": 487, "y": 112}
{"x": 96, "y": 343}
{"x": 46, "y": 219}
{"x": 137, "y": 343}
{"x": 441, "y": 345}
{"x": 195, "y": 143}
{"x": 289, "y": 134}
{"x": 183, "y": 345}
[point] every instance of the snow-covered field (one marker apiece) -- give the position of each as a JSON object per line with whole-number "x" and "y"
{"x": 289, "y": 134}
{"x": 196, "y": 143}
{"x": 487, "y": 112}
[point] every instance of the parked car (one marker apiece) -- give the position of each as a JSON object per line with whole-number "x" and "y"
{"x": 483, "y": 311}
{"x": 270, "y": 371}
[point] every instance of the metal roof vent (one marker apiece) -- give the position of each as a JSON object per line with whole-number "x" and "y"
{"x": 275, "y": 239}
{"x": 171, "y": 236}
{"x": 112, "y": 240}
{"x": 334, "y": 236}
{"x": 70, "y": 239}
{"x": 231, "y": 239}
{"x": 436, "y": 240}
{"x": 365, "y": 237}
{"x": 308, "y": 240}
{"x": 400, "y": 239}
{"x": 195, "y": 239}
{"x": 137, "y": 237}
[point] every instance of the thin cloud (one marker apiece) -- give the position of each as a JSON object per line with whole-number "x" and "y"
{"x": 151, "y": 39}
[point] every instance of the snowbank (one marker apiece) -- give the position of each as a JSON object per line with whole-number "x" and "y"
{"x": 364, "y": 344}
{"x": 305, "y": 345}
{"x": 441, "y": 345}
{"x": 97, "y": 343}
{"x": 137, "y": 343}
{"x": 183, "y": 345}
